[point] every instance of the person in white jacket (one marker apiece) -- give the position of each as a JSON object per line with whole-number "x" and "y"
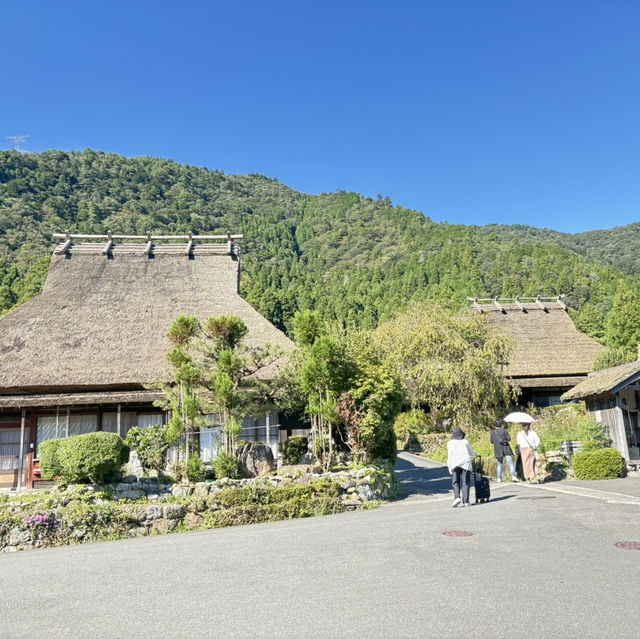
{"x": 528, "y": 442}
{"x": 459, "y": 456}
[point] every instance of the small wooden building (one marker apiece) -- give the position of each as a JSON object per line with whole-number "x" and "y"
{"x": 550, "y": 355}
{"x": 81, "y": 355}
{"x": 612, "y": 396}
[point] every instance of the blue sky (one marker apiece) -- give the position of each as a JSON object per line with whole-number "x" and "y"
{"x": 473, "y": 111}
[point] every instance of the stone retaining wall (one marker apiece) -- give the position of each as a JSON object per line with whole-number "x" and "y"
{"x": 138, "y": 507}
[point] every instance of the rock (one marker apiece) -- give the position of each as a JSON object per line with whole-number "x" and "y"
{"x": 133, "y": 466}
{"x": 361, "y": 473}
{"x": 164, "y": 525}
{"x": 129, "y": 479}
{"x": 131, "y": 494}
{"x": 352, "y": 503}
{"x": 365, "y": 493}
{"x": 174, "y": 511}
{"x": 18, "y": 537}
{"x": 80, "y": 533}
{"x": 193, "y": 520}
{"x": 256, "y": 460}
{"x": 201, "y": 489}
{"x": 351, "y": 489}
{"x": 348, "y": 484}
{"x": 153, "y": 512}
{"x": 153, "y": 496}
{"x": 181, "y": 490}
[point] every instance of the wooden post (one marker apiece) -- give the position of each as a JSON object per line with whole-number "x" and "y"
{"x": 21, "y": 452}
{"x": 119, "y": 420}
{"x": 68, "y": 420}
{"x": 147, "y": 251}
{"x": 229, "y": 246}
{"x": 268, "y": 429}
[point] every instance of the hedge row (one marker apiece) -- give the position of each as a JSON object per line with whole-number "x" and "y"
{"x": 81, "y": 457}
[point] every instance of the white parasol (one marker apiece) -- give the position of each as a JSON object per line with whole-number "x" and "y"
{"x": 519, "y": 418}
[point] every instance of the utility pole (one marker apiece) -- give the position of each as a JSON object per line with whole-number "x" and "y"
{"x": 18, "y": 141}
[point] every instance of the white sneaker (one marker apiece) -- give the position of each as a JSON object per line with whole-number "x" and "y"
{"x": 514, "y": 478}
{"x": 467, "y": 504}
{"x": 456, "y": 502}
{"x": 499, "y": 480}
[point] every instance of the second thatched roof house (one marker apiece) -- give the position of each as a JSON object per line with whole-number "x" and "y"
{"x": 550, "y": 355}
{"x": 612, "y": 396}
{"x": 78, "y": 357}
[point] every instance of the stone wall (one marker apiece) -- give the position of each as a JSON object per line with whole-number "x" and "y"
{"x": 141, "y": 506}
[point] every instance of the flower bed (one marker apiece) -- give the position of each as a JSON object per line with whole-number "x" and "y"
{"x": 139, "y": 507}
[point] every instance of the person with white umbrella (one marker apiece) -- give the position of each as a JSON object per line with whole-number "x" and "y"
{"x": 528, "y": 442}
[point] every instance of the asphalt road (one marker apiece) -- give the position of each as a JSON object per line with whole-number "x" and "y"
{"x": 543, "y": 567}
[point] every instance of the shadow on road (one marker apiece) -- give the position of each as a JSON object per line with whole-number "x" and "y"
{"x": 418, "y": 477}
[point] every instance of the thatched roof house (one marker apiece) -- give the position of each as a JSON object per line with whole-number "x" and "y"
{"x": 612, "y": 396}
{"x": 97, "y": 334}
{"x": 550, "y": 355}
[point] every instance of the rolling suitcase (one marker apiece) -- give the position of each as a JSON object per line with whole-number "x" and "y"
{"x": 481, "y": 483}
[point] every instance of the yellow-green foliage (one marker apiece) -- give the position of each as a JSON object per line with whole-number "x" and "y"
{"x": 606, "y": 463}
{"x": 83, "y": 457}
{"x": 568, "y": 422}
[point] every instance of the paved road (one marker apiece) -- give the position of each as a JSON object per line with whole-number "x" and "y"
{"x": 544, "y": 567}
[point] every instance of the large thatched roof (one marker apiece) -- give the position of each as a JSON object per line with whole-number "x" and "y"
{"x": 549, "y": 350}
{"x": 609, "y": 380}
{"x": 101, "y": 321}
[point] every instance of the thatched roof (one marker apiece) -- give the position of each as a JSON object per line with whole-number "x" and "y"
{"x": 80, "y": 399}
{"x": 101, "y": 321}
{"x": 549, "y": 350}
{"x": 608, "y": 380}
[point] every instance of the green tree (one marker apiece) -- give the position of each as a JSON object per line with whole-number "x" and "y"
{"x": 623, "y": 322}
{"x": 449, "y": 362}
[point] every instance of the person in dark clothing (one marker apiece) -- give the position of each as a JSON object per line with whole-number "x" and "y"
{"x": 500, "y": 439}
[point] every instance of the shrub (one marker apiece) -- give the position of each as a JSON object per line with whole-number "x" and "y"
{"x": 226, "y": 465}
{"x": 385, "y": 446}
{"x": 90, "y": 456}
{"x": 50, "y": 463}
{"x": 195, "y": 469}
{"x": 410, "y": 424}
{"x": 606, "y": 463}
{"x": 292, "y": 449}
{"x": 151, "y": 444}
{"x": 569, "y": 423}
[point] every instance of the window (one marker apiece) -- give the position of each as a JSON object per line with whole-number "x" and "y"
{"x": 55, "y": 427}
{"x": 10, "y": 448}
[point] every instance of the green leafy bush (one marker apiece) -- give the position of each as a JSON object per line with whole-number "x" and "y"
{"x": 83, "y": 457}
{"x": 195, "y": 469}
{"x": 569, "y": 423}
{"x": 226, "y": 465}
{"x": 151, "y": 444}
{"x": 606, "y": 463}
{"x": 412, "y": 423}
{"x": 50, "y": 463}
{"x": 293, "y": 448}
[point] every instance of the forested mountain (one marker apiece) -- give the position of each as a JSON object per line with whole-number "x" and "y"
{"x": 618, "y": 246}
{"x": 355, "y": 259}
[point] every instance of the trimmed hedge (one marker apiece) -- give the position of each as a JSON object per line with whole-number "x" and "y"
{"x": 605, "y": 463}
{"x": 50, "y": 464}
{"x": 292, "y": 449}
{"x": 83, "y": 457}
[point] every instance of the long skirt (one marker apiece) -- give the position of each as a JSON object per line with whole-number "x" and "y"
{"x": 529, "y": 465}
